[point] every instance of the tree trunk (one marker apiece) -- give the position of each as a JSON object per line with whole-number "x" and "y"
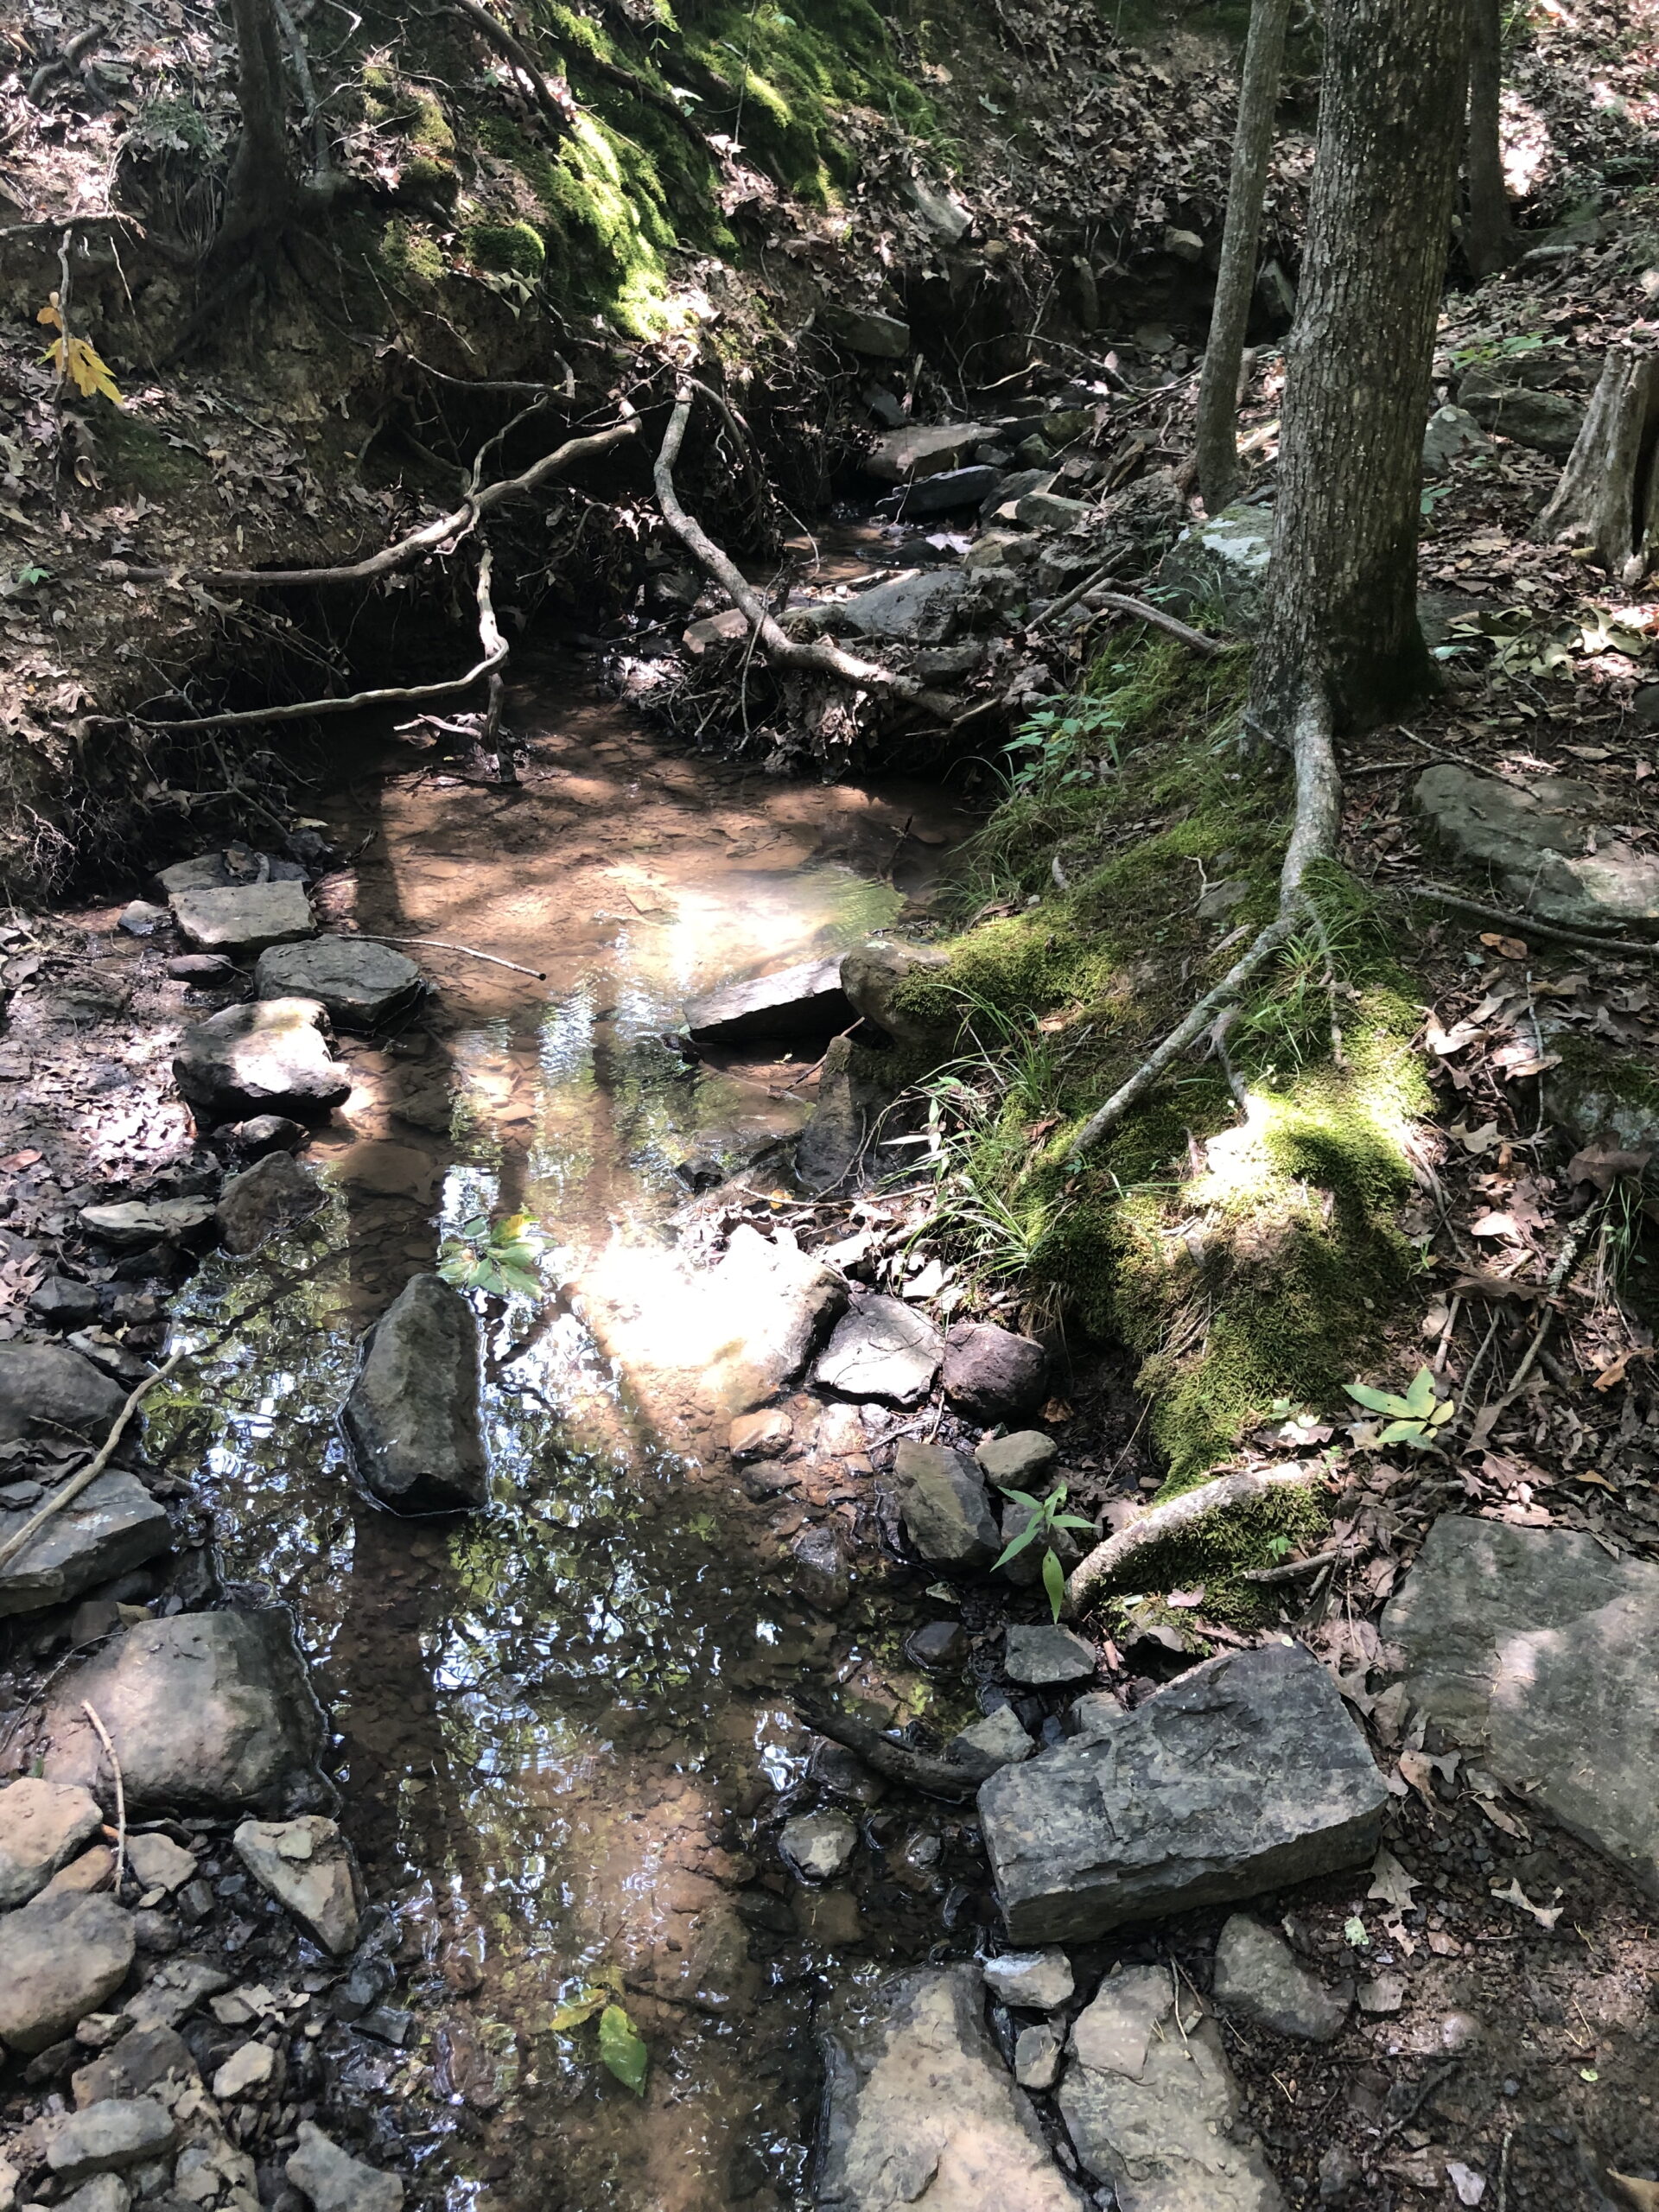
{"x": 1608, "y": 497}
{"x": 261, "y": 195}
{"x": 1340, "y": 623}
{"x": 1489, "y": 240}
{"x": 1258, "y": 98}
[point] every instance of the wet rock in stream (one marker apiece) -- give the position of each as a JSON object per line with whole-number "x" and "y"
{"x": 919, "y": 2104}
{"x": 271, "y": 1195}
{"x": 803, "y": 1001}
{"x": 113, "y": 1525}
{"x": 268, "y": 1058}
{"x": 361, "y": 982}
{"x": 412, "y": 1416}
{"x": 46, "y": 1389}
{"x": 883, "y": 1349}
{"x": 305, "y": 1865}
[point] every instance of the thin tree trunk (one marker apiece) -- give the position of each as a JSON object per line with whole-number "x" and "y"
{"x": 1341, "y": 614}
{"x": 1489, "y": 238}
{"x": 1258, "y": 98}
{"x": 1608, "y": 497}
{"x": 260, "y": 196}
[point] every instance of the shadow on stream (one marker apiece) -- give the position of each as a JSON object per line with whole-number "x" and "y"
{"x": 558, "y": 1721}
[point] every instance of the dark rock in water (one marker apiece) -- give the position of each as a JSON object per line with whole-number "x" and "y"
{"x": 412, "y": 1416}
{"x": 244, "y": 919}
{"x": 63, "y": 1303}
{"x": 209, "y": 1709}
{"x": 272, "y": 1194}
{"x": 361, "y": 982}
{"x": 946, "y": 1512}
{"x": 990, "y": 1374}
{"x": 1151, "y": 2104}
{"x": 264, "y": 1132}
{"x": 1536, "y": 1647}
{"x": 821, "y": 1572}
{"x": 137, "y": 1225}
{"x": 940, "y": 1643}
{"x": 201, "y": 968}
{"x": 871, "y": 976}
{"x": 938, "y": 495}
{"x": 140, "y": 2061}
{"x": 1039, "y": 1653}
{"x": 46, "y": 1389}
{"x": 1244, "y": 1774}
{"x": 1550, "y": 843}
{"x": 806, "y": 1000}
{"x": 883, "y": 1349}
{"x": 268, "y": 1058}
{"x": 830, "y": 1148}
{"x": 60, "y": 1957}
{"x": 113, "y": 1526}
{"x": 918, "y": 2105}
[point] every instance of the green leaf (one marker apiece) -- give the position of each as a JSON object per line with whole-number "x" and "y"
{"x": 1054, "y": 1581}
{"x": 579, "y": 2009}
{"x": 1420, "y": 1399}
{"x": 521, "y": 1279}
{"x": 1444, "y": 1411}
{"x": 1402, "y": 1431}
{"x": 1021, "y": 1496}
{"x": 621, "y": 2049}
{"x": 1377, "y": 1402}
{"x": 1070, "y": 1521}
{"x": 1026, "y": 1536}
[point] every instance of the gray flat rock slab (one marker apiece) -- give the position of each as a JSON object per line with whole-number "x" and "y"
{"x": 1537, "y": 840}
{"x": 413, "y": 1417}
{"x": 268, "y": 1058}
{"x": 804, "y": 999}
{"x": 1040, "y": 1981}
{"x": 928, "y": 449}
{"x": 114, "y": 2133}
{"x": 1536, "y": 1650}
{"x": 1244, "y": 1774}
{"x": 996, "y": 1740}
{"x": 46, "y": 1389}
{"x": 359, "y": 981}
{"x": 43, "y": 1826}
{"x": 305, "y": 1865}
{"x": 242, "y": 918}
{"x": 918, "y": 2105}
{"x": 210, "y": 1710}
{"x": 134, "y": 1225}
{"x": 1260, "y": 1979}
{"x": 883, "y": 1349}
{"x": 60, "y": 1957}
{"x": 1037, "y": 1654}
{"x": 336, "y": 2182}
{"x": 1151, "y": 2105}
{"x": 114, "y": 1525}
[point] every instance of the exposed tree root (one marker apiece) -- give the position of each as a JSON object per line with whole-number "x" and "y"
{"x": 1177, "y": 1518}
{"x": 551, "y": 95}
{"x": 819, "y": 656}
{"x": 1523, "y": 925}
{"x": 1118, "y": 602}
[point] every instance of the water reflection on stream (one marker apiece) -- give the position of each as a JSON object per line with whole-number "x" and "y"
{"x": 556, "y": 1720}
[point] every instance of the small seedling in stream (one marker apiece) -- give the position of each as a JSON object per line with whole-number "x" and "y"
{"x": 1043, "y": 1517}
{"x": 1417, "y": 1419}
{"x": 499, "y": 1257}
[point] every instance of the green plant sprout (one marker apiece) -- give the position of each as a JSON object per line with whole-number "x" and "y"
{"x": 620, "y": 2048}
{"x": 1053, "y": 747}
{"x": 499, "y": 1257}
{"x": 1416, "y": 1419}
{"x": 1043, "y": 1517}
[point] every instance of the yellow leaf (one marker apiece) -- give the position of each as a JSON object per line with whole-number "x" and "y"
{"x": 90, "y": 373}
{"x": 49, "y": 315}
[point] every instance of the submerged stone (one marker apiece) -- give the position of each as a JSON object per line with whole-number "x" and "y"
{"x": 361, "y": 982}
{"x": 806, "y": 1000}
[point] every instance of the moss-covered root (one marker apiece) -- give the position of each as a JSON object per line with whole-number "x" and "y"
{"x": 1177, "y": 1517}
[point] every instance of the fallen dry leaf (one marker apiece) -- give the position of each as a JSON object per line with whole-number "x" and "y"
{"x": 1615, "y": 1372}
{"x": 1603, "y": 1167}
{"x": 1494, "y": 1224}
{"x": 1544, "y": 1914}
{"x": 1390, "y": 1881}
{"x": 1643, "y": 2195}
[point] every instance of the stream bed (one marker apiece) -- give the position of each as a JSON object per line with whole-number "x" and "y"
{"x": 561, "y": 1727}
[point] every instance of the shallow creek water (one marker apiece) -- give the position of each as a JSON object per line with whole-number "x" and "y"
{"x": 556, "y": 1722}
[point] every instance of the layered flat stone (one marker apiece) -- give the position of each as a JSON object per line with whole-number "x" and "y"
{"x": 61, "y": 1958}
{"x": 47, "y": 1390}
{"x": 946, "y": 1510}
{"x": 804, "y": 999}
{"x": 1244, "y": 1774}
{"x": 113, "y": 1526}
{"x": 134, "y": 1225}
{"x": 925, "y": 450}
{"x": 43, "y": 1826}
{"x": 1534, "y": 1649}
{"x": 268, "y": 1058}
{"x": 242, "y": 919}
{"x": 919, "y": 2106}
{"x": 360, "y": 981}
{"x": 305, "y": 1865}
{"x": 1151, "y": 2105}
{"x": 883, "y": 1349}
{"x": 1548, "y": 842}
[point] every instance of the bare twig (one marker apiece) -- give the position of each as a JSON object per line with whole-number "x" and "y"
{"x": 307, "y": 710}
{"x": 1292, "y": 1570}
{"x": 443, "y": 945}
{"x": 495, "y": 654}
{"x": 1176, "y": 1518}
{"x": 91, "y": 1711}
{"x": 1571, "y": 1252}
{"x": 1524, "y": 925}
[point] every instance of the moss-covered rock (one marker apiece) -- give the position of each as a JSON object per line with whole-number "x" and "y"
{"x": 514, "y": 248}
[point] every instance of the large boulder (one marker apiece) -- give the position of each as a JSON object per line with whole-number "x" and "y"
{"x": 113, "y": 1525}
{"x": 1243, "y": 1775}
{"x": 1533, "y": 1649}
{"x": 1220, "y": 561}
{"x": 61, "y": 1958}
{"x": 305, "y": 1865}
{"x": 806, "y": 1000}
{"x": 1548, "y": 843}
{"x": 271, "y": 1195}
{"x": 1546, "y": 420}
{"x": 991, "y": 1374}
{"x": 883, "y": 1349}
{"x": 243, "y": 917}
{"x": 871, "y": 976}
{"x": 210, "y": 1710}
{"x": 412, "y": 1418}
{"x": 1152, "y": 2106}
{"x": 925, "y": 450}
{"x": 43, "y": 1826}
{"x": 361, "y": 982}
{"x": 918, "y": 2105}
{"x": 268, "y": 1058}
{"x": 943, "y": 1499}
{"x": 865, "y": 330}
{"x": 47, "y": 1390}
{"x": 918, "y": 609}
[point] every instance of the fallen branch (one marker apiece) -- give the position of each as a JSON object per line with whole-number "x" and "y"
{"x": 91, "y": 1711}
{"x": 1523, "y": 925}
{"x": 306, "y": 710}
{"x": 454, "y": 525}
{"x": 495, "y": 654}
{"x": 1118, "y": 602}
{"x": 443, "y": 945}
{"x": 1292, "y": 1570}
{"x": 1177, "y": 1518}
{"x": 916, "y": 1770}
{"x": 819, "y": 655}
{"x": 1571, "y": 1252}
